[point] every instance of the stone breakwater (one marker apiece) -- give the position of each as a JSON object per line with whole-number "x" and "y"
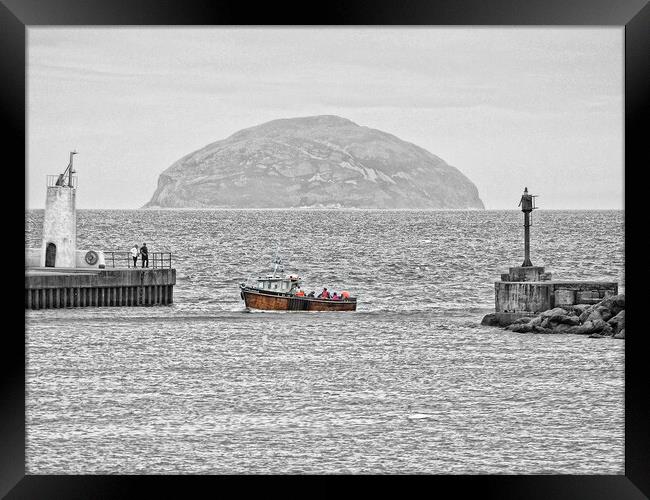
{"x": 604, "y": 319}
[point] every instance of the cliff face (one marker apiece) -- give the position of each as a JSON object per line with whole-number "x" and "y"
{"x": 317, "y": 161}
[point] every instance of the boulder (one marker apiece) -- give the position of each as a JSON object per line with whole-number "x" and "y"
{"x": 597, "y": 325}
{"x": 620, "y": 335}
{"x": 588, "y": 327}
{"x": 565, "y": 320}
{"x": 502, "y": 319}
{"x": 585, "y": 314}
{"x": 605, "y": 309}
{"x": 520, "y": 328}
{"x": 618, "y": 322}
{"x": 579, "y": 330}
{"x": 556, "y": 311}
{"x": 607, "y": 331}
{"x": 605, "y": 312}
{"x": 595, "y": 315}
{"x": 562, "y": 328}
{"x": 614, "y": 304}
{"x": 490, "y": 320}
{"x": 578, "y": 309}
{"x": 619, "y": 301}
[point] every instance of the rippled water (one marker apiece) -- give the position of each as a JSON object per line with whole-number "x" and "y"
{"x": 411, "y": 382}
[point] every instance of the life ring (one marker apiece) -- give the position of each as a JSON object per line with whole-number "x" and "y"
{"x": 91, "y": 257}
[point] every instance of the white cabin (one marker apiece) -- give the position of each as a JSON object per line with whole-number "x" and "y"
{"x": 278, "y": 284}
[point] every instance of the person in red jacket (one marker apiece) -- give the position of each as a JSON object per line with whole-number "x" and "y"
{"x": 324, "y": 294}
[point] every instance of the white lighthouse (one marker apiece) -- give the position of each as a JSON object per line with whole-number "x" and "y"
{"x": 60, "y": 220}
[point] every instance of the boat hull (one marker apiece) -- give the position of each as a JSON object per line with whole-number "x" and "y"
{"x": 281, "y": 302}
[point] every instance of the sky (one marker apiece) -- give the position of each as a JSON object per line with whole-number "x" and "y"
{"x": 510, "y": 107}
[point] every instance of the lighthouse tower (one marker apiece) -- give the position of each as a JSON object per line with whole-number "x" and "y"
{"x": 60, "y": 219}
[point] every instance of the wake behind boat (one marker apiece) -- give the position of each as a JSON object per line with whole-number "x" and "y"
{"x": 277, "y": 293}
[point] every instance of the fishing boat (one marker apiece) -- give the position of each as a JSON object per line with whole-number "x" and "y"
{"x": 277, "y": 293}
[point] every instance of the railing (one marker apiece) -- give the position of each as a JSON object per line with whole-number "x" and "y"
{"x": 53, "y": 179}
{"x": 157, "y": 260}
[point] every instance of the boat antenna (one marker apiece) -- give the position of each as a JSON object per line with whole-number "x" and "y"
{"x": 276, "y": 259}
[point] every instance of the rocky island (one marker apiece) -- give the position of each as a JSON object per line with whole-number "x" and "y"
{"x": 315, "y": 161}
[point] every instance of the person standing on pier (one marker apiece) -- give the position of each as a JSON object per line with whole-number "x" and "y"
{"x": 134, "y": 255}
{"x": 144, "y": 253}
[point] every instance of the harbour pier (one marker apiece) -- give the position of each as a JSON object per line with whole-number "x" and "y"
{"x": 528, "y": 290}
{"x": 58, "y": 275}
{"x": 51, "y": 289}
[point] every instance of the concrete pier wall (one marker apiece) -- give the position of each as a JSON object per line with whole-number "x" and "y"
{"x": 522, "y": 296}
{"x": 33, "y": 258}
{"x": 530, "y": 273}
{"x": 81, "y": 260}
{"x": 46, "y": 289}
{"x": 533, "y": 297}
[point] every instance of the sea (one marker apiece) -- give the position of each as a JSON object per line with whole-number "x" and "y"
{"x": 410, "y": 383}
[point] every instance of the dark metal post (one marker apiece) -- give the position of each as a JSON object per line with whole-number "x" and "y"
{"x": 527, "y": 206}
{"x": 527, "y": 262}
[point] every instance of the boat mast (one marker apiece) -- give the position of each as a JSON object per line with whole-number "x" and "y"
{"x": 276, "y": 260}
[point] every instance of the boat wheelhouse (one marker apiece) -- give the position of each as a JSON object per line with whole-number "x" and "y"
{"x": 272, "y": 283}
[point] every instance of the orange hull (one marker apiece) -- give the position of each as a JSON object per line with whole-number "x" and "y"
{"x": 271, "y": 302}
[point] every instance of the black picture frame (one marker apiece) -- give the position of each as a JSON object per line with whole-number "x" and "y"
{"x": 634, "y": 15}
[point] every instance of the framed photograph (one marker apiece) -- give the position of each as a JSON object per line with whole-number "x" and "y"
{"x": 369, "y": 242}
